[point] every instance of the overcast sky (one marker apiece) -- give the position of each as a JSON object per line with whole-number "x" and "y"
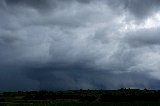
{"x": 79, "y": 44}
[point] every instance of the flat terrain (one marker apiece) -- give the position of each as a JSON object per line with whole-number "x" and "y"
{"x": 122, "y": 97}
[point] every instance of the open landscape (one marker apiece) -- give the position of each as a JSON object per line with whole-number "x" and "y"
{"x": 79, "y": 52}
{"x": 121, "y": 97}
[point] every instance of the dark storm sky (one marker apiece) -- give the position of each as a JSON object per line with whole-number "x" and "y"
{"x": 74, "y": 44}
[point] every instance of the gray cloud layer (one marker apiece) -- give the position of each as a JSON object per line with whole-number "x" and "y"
{"x": 73, "y": 44}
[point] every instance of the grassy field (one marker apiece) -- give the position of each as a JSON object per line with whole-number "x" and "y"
{"x": 82, "y": 98}
{"x": 75, "y": 103}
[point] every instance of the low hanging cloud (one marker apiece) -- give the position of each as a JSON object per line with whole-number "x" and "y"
{"x": 74, "y": 44}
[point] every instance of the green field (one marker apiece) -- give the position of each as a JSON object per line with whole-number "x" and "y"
{"x": 124, "y": 97}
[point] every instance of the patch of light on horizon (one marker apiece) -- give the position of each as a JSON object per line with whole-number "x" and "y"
{"x": 151, "y": 22}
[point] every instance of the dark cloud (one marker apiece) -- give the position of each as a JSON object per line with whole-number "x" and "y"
{"x": 35, "y": 3}
{"x": 139, "y": 8}
{"x": 142, "y": 8}
{"x": 88, "y": 44}
{"x": 41, "y": 4}
{"x": 143, "y": 37}
{"x": 89, "y": 79}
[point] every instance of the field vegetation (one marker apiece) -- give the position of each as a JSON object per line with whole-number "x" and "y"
{"x": 121, "y": 97}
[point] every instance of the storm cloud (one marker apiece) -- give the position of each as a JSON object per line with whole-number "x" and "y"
{"x": 79, "y": 44}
